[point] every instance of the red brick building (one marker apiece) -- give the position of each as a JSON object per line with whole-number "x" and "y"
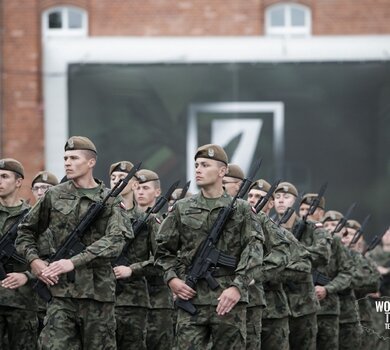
{"x": 24, "y": 114}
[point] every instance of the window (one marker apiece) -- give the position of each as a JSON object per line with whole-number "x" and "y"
{"x": 64, "y": 21}
{"x": 288, "y": 20}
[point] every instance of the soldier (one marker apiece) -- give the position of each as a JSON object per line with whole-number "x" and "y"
{"x": 221, "y": 313}
{"x": 336, "y": 276}
{"x": 233, "y": 179}
{"x": 161, "y": 313}
{"x": 132, "y": 303}
{"x": 81, "y": 314}
{"x": 306, "y": 201}
{"x": 275, "y": 330}
{"x": 18, "y": 309}
{"x": 303, "y": 321}
{"x": 40, "y": 184}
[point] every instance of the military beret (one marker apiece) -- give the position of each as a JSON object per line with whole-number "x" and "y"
{"x": 12, "y": 165}
{"x": 235, "y": 171}
{"x": 353, "y": 224}
{"x": 261, "y": 185}
{"x": 145, "y": 175}
{"x": 212, "y": 151}
{"x": 287, "y": 187}
{"x": 123, "y": 166}
{"x": 80, "y": 143}
{"x": 332, "y": 215}
{"x": 309, "y": 197}
{"x": 45, "y": 177}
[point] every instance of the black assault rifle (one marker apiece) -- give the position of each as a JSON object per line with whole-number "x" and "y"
{"x": 72, "y": 245}
{"x": 374, "y": 242}
{"x": 208, "y": 256}
{"x": 263, "y": 200}
{"x": 343, "y": 221}
{"x": 298, "y": 230}
{"x": 138, "y": 226}
{"x": 7, "y": 246}
{"x": 360, "y": 231}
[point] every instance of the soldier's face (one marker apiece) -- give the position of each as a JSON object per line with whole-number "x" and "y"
{"x": 39, "y": 189}
{"x": 231, "y": 185}
{"x": 330, "y": 225}
{"x": 77, "y": 164}
{"x": 8, "y": 183}
{"x": 117, "y": 176}
{"x": 146, "y": 194}
{"x": 304, "y": 210}
{"x": 283, "y": 201}
{"x": 254, "y": 196}
{"x": 347, "y": 235}
{"x": 208, "y": 171}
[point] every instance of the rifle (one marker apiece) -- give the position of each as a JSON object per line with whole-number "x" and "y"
{"x": 319, "y": 279}
{"x": 137, "y": 227}
{"x": 360, "y": 231}
{"x": 183, "y": 191}
{"x": 72, "y": 245}
{"x": 7, "y": 245}
{"x": 208, "y": 256}
{"x": 263, "y": 200}
{"x": 343, "y": 221}
{"x": 374, "y": 242}
{"x": 288, "y": 212}
{"x": 298, "y": 230}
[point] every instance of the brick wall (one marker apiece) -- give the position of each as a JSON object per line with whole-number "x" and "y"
{"x": 21, "y": 100}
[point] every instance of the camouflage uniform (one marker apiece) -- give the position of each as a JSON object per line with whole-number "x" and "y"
{"x": 303, "y": 320}
{"x": 81, "y": 314}
{"x": 132, "y": 303}
{"x": 339, "y": 272}
{"x": 365, "y": 281}
{"x": 184, "y": 229}
{"x": 18, "y": 308}
{"x": 274, "y": 333}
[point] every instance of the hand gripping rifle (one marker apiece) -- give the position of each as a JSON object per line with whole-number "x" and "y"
{"x": 137, "y": 227}
{"x": 343, "y": 221}
{"x": 72, "y": 245}
{"x": 7, "y": 245}
{"x": 298, "y": 231}
{"x": 208, "y": 256}
{"x": 360, "y": 231}
{"x": 263, "y": 200}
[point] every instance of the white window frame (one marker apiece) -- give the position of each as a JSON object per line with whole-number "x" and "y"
{"x": 65, "y": 31}
{"x": 288, "y": 30}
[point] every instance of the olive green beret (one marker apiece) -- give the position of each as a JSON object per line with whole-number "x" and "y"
{"x": 287, "y": 187}
{"x": 123, "y": 166}
{"x": 80, "y": 143}
{"x": 12, "y": 165}
{"x": 261, "y": 185}
{"x": 45, "y": 177}
{"x": 332, "y": 215}
{"x": 177, "y": 193}
{"x": 145, "y": 175}
{"x": 309, "y": 197}
{"x": 353, "y": 224}
{"x": 212, "y": 151}
{"x": 235, "y": 171}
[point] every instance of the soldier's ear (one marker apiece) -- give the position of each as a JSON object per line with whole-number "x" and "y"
{"x": 222, "y": 171}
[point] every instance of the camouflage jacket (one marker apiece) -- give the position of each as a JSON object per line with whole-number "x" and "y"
{"x": 297, "y": 279}
{"x": 382, "y": 258}
{"x": 187, "y": 226}
{"x": 276, "y": 259}
{"x": 60, "y": 211}
{"x": 339, "y": 271}
{"x": 23, "y": 297}
{"x": 317, "y": 241}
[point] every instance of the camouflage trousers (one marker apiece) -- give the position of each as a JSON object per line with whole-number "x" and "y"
{"x": 253, "y": 327}
{"x": 18, "y": 329}
{"x": 160, "y": 327}
{"x": 226, "y": 332}
{"x": 274, "y": 334}
{"x": 328, "y": 332}
{"x": 303, "y": 332}
{"x": 368, "y": 335}
{"x": 78, "y": 324}
{"x": 131, "y": 327}
{"x": 350, "y": 336}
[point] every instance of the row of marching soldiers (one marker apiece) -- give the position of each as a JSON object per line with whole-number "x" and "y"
{"x": 283, "y": 292}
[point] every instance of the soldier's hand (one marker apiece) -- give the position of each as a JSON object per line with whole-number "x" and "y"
{"x": 180, "y": 288}
{"x": 320, "y": 292}
{"x": 57, "y": 268}
{"x": 227, "y": 300}
{"x": 122, "y": 272}
{"x": 14, "y": 280}
{"x": 37, "y": 266}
